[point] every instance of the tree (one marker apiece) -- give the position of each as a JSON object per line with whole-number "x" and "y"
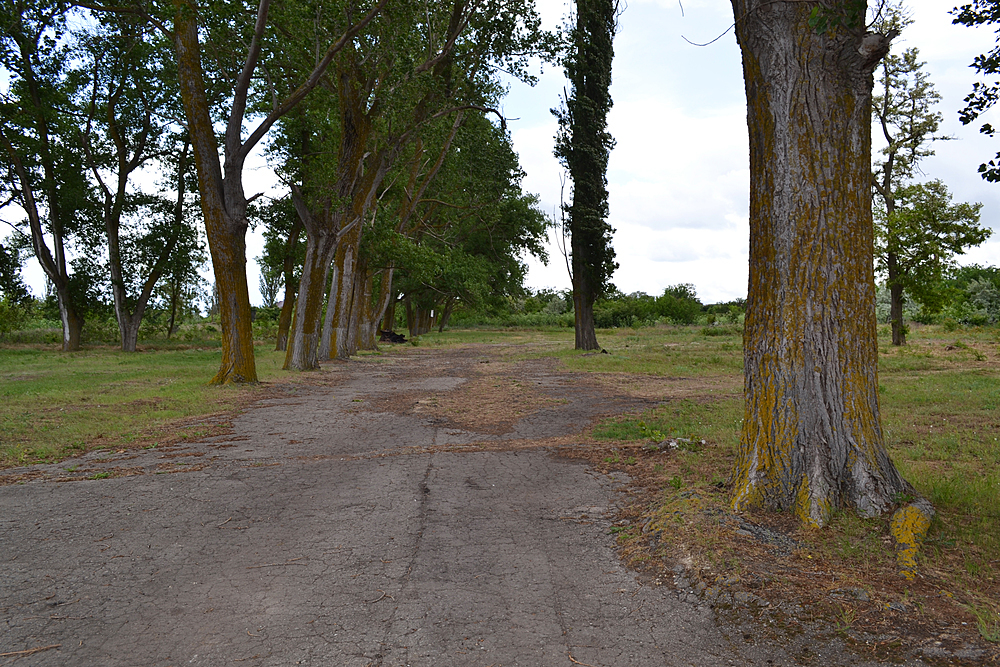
{"x": 582, "y": 146}
{"x": 812, "y": 439}
{"x": 12, "y": 287}
{"x": 14, "y": 296}
{"x": 390, "y": 83}
{"x": 223, "y": 200}
{"x": 902, "y": 109}
{"x": 462, "y": 239}
{"x": 124, "y": 95}
{"x": 921, "y": 237}
{"x": 983, "y": 95}
{"x": 40, "y": 143}
{"x": 179, "y": 289}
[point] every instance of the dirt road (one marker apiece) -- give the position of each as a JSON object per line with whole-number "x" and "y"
{"x": 402, "y": 510}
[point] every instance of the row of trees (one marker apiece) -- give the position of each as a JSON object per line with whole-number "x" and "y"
{"x": 375, "y": 119}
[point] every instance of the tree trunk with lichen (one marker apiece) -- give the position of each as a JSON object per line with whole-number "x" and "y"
{"x": 223, "y": 204}
{"x": 336, "y": 327}
{"x": 303, "y": 346}
{"x": 812, "y": 438}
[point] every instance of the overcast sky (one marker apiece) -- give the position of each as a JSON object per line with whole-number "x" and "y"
{"x": 679, "y": 174}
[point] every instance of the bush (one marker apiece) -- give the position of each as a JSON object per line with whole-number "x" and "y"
{"x": 677, "y": 305}
{"x": 13, "y": 316}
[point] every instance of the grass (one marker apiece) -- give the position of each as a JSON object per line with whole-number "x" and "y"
{"x": 54, "y": 404}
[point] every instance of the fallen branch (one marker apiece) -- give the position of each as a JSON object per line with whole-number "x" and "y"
{"x": 384, "y": 596}
{"x": 29, "y": 651}
{"x": 287, "y": 562}
{"x": 575, "y": 661}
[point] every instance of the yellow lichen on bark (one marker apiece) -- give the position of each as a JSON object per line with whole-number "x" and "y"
{"x": 908, "y": 528}
{"x": 812, "y": 440}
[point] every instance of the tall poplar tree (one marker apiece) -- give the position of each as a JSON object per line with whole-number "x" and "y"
{"x": 582, "y": 146}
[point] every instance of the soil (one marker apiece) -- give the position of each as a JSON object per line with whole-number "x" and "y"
{"x": 431, "y": 507}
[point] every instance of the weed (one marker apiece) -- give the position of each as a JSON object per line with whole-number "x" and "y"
{"x": 987, "y": 619}
{"x": 846, "y": 619}
{"x": 630, "y": 460}
{"x": 100, "y": 475}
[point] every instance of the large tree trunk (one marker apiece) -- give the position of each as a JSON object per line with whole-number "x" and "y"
{"x": 304, "y": 341}
{"x": 583, "y": 308}
{"x": 336, "y": 327}
{"x": 223, "y": 204}
{"x": 812, "y": 439}
{"x": 360, "y": 309}
{"x": 389, "y": 316}
{"x": 370, "y": 313}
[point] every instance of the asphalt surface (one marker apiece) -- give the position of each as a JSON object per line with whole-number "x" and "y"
{"x": 326, "y": 531}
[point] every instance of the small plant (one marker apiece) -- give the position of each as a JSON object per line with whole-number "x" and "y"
{"x": 846, "y": 619}
{"x": 676, "y": 482}
{"x": 988, "y": 621}
{"x": 615, "y": 458}
{"x": 630, "y": 460}
{"x": 100, "y": 475}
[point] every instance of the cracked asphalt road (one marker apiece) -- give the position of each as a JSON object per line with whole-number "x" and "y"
{"x": 328, "y": 529}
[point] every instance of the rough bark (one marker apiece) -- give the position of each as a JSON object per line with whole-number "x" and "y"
{"x": 336, "y": 326}
{"x": 389, "y": 316}
{"x": 223, "y": 204}
{"x": 373, "y": 310}
{"x": 304, "y": 336}
{"x": 583, "y": 303}
{"x": 360, "y": 334}
{"x": 812, "y": 439}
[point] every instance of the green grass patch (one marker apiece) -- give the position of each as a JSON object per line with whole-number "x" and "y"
{"x": 55, "y": 404}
